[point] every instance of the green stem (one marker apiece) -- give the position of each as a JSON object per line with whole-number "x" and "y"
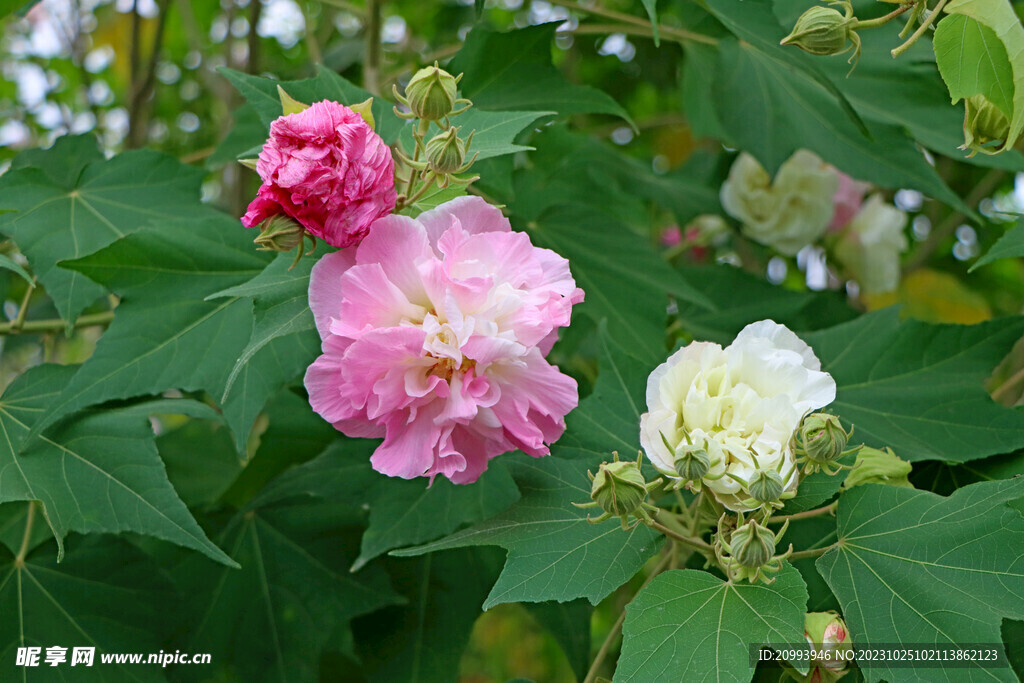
{"x": 667, "y": 31}
{"x": 56, "y": 324}
{"x": 427, "y": 184}
{"x": 921, "y": 29}
{"x": 19, "y": 320}
{"x": 826, "y": 510}
{"x": 676, "y": 536}
{"x": 881, "y": 21}
{"x": 617, "y": 626}
{"x": 815, "y": 552}
{"x": 371, "y": 65}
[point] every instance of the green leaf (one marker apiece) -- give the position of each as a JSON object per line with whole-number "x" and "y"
{"x": 270, "y": 620}
{"x": 284, "y": 340}
{"x": 914, "y": 567}
{"x": 247, "y": 131}
{"x": 164, "y": 335}
{"x": 342, "y": 473}
{"x": 493, "y": 131}
{"x": 424, "y": 641}
{"x": 918, "y": 387}
{"x": 1009, "y": 245}
{"x": 999, "y": 16}
{"x": 652, "y": 12}
{"x": 609, "y": 419}
{"x": 294, "y": 434}
{"x": 513, "y": 71}
{"x": 797, "y": 114}
{"x": 407, "y": 512}
{"x": 908, "y": 93}
{"x": 625, "y": 280}
{"x": 13, "y": 518}
{"x": 740, "y": 298}
{"x": 554, "y": 553}
{"x": 9, "y": 264}
{"x": 973, "y": 61}
{"x": 201, "y": 461}
{"x": 691, "y": 625}
{"x": 105, "y": 594}
{"x": 70, "y": 202}
{"x": 568, "y": 166}
{"x": 754, "y": 23}
{"x": 96, "y": 473}
{"x": 569, "y": 624}
{"x": 261, "y": 94}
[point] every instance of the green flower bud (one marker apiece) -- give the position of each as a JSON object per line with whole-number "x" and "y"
{"x": 446, "y": 153}
{"x": 822, "y": 437}
{"x": 691, "y": 462}
{"x": 619, "y": 488}
{"x": 765, "y": 486}
{"x": 821, "y": 31}
{"x": 984, "y": 122}
{"x": 431, "y": 93}
{"x": 878, "y": 467}
{"x": 280, "y": 233}
{"x": 753, "y": 545}
{"x": 827, "y": 631}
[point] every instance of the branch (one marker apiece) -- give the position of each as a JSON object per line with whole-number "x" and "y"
{"x": 371, "y": 64}
{"x": 56, "y": 324}
{"x": 826, "y": 510}
{"x": 677, "y": 34}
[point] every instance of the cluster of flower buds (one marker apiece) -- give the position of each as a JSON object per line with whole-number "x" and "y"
{"x": 432, "y": 99}
{"x": 822, "y": 442}
{"x": 620, "y": 490}
{"x": 749, "y": 552}
{"x": 826, "y": 31}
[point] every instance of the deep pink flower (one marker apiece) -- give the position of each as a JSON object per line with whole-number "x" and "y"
{"x": 434, "y": 335}
{"x": 847, "y": 200}
{"x": 327, "y": 169}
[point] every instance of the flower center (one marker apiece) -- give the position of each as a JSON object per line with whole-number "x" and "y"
{"x": 446, "y": 367}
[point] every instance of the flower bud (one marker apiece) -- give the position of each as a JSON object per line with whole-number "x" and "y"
{"x": 820, "y": 31}
{"x": 984, "y": 122}
{"x": 280, "y": 233}
{"x": 822, "y": 437}
{"x": 619, "y": 488}
{"x": 431, "y": 93}
{"x": 827, "y": 631}
{"x": 753, "y": 545}
{"x": 691, "y": 462}
{"x": 446, "y": 153}
{"x": 766, "y": 486}
{"x": 878, "y": 467}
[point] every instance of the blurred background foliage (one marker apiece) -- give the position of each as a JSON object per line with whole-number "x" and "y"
{"x": 144, "y": 73}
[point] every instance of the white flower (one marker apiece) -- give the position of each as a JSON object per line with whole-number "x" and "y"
{"x": 870, "y": 246}
{"x": 788, "y": 214}
{"x": 742, "y": 404}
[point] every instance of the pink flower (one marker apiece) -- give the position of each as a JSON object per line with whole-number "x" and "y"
{"x": 327, "y": 169}
{"x": 434, "y": 335}
{"x": 671, "y": 236}
{"x": 847, "y": 200}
